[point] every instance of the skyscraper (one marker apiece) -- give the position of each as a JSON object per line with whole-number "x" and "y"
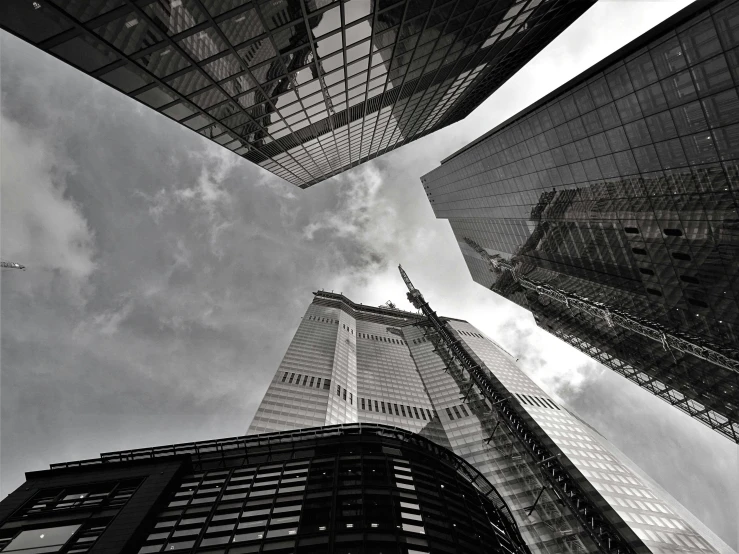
{"x": 609, "y": 210}
{"x": 304, "y": 88}
{"x": 352, "y": 363}
{"x": 349, "y": 489}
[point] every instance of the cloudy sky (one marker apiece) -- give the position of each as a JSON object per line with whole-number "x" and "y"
{"x": 166, "y": 276}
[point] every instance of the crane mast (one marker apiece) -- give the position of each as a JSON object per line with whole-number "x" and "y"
{"x": 603, "y": 533}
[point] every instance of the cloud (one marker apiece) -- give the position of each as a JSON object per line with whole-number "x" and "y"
{"x": 42, "y": 227}
{"x": 198, "y": 266}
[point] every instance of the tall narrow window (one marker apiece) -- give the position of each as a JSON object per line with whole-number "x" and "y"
{"x": 410, "y": 414}
{"x": 397, "y": 413}
{"x": 312, "y": 379}
{"x": 363, "y": 404}
{"x": 284, "y": 377}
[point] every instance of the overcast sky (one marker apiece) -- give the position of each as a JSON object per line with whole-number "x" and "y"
{"x": 166, "y": 276}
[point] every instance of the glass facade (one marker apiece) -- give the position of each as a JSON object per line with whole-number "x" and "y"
{"x": 622, "y": 187}
{"x": 349, "y": 489}
{"x": 352, "y": 363}
{"x": 306, "y": 89}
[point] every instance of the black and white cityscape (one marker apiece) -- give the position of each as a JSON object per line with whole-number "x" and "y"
{"x": 201, "y": 356}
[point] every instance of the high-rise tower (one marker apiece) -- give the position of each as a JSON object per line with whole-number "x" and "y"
{"x": 353, "y": 363}
{"x": 304, "y": 88}
{"x": 609, "y": 210}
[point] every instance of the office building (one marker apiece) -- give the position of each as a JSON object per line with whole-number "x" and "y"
{"x": 348, "y": 489}
{"x": 609, "y": 210}
{"x": 304, "y": 88}
{"x": 350, "y": 363}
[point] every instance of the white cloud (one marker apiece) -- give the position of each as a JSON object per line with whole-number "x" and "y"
{"x": 42, "y": 228}
{"x": 361, "y": 209}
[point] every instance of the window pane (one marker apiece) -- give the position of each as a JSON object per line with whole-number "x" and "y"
{"x": 50, "y": 539}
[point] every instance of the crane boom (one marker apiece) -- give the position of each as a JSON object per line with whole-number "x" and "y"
{"x": 12, "y": 265}
{"x": 603, "y": 533}
{"x": 682, "y": 342}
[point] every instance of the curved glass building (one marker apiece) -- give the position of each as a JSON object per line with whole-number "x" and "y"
{"x": 343, "y": 489}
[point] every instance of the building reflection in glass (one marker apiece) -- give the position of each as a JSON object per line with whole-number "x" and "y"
{"x": 306, "y": 89}
{"x": 622, "y": 187}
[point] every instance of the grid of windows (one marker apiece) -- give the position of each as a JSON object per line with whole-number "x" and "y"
{"x": 44, "y": 523}
{"x": 305, "y": 89}
{"x": 622, "y": 187}
{"x": 352, "y": 488}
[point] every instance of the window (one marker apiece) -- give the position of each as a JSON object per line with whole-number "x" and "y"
{"x": 37, "y": 541}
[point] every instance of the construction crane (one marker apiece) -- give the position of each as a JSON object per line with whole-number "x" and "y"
{"x": 682, "y": 342}
{"x": 12, "y": 265}
{"x": 603, "y": 533}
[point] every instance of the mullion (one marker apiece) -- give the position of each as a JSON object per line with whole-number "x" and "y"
{"x": 529, "y": 38}
{"x": 279, "y": 55}
{"x": 367, "y": 82}
{"x": 230, "y": 48}
{"x": 324, "y": 91}
{"x": 418, "y": 82}
{"x": 342, "y": 26}
{"x": 467, "y": 21}
{"x": 393, "y": 146}
{"x": 392, "y": 56}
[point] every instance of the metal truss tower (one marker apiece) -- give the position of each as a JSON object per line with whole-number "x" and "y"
{"x": 528, "y": 437}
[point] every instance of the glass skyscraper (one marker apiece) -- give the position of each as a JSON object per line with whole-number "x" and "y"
{"x": 344, "y": 489}
{"x": 350, "y": 363}
{"x": 304, "y": 88}
{"x": 621, "y": 187}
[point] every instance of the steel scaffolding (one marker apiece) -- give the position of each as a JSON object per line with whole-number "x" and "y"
{"x": 600, "y": 530}
{"x": 727, "y": 359}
